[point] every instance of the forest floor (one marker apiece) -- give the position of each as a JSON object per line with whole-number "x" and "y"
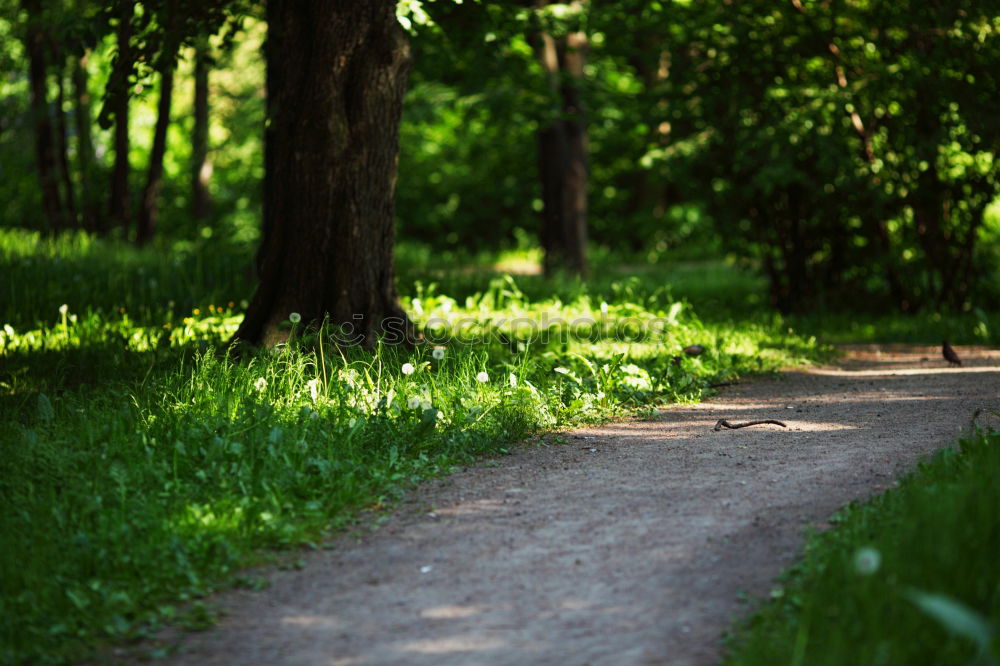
{"x": 634, "y": 543}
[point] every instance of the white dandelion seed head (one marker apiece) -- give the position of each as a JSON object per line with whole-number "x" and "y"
{"x": 408, "y": 369}
{"x": 413, "y": 402}
{"x": 261, "y": 384}
{"x": 483, "y": 377}
{"x": 438, "y": 353}
{"x": 295, "y": 317}
{"x": 63, "y": 309}
{"x": 867, "y": 560}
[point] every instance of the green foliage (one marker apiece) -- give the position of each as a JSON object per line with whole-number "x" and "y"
{"x": 848, "y": 146}
{"x": 909, "y": 577}
{"x": 142, "y": 466}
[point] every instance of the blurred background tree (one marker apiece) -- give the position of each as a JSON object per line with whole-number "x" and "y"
{"x": 845, "y": 149}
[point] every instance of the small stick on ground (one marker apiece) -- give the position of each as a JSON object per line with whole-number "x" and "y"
{"x": 723, "y": 423}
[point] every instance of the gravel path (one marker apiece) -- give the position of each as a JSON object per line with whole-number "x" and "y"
{"x": 626, "y": 544}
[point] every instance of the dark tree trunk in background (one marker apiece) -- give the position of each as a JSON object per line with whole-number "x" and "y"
{"x": 90, "y": 191}
{"x": 336, "y": 74}
{"x": 62, "y": 141}
{"x": 647, "y": 198}
{"x": 45, "y": 150}
{"x": 201, "y": 168}
{"x": 562, "y": 154}
{"x": 148, "y": 205}
{"x": 120, "y": 204}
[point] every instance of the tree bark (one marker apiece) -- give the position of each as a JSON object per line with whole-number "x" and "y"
{"x": 45, "y": 153}
{"x": 562, "y": 154}
{"x": 148, "y": 205}
{"x": 120, "y": 204}
{"x": 201, "y": 167}
{"x": 90, "y": 210}
{"x": 336, "y": 75}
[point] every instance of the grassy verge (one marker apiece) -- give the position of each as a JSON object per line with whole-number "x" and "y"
{"x": 909, "y": 577}
{"x": 140, "y": 468}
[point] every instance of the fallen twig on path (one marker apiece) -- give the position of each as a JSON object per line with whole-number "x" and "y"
{"x": 723, "y": 423}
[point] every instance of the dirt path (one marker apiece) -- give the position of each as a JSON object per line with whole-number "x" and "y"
{"x": 628, "y": 544}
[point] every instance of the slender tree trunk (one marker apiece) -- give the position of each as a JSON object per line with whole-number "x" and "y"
{"x": 201, "y": 167}
{"x": 62, "y": 140}
{"x": 120, "y": 204}
{"x": 45, "y": 152}
{"x": 647, "y": 198}
{"x": 562, "y": 154}
{"x": 148, "y": 205}
{"x": 90, "y": 209}
{"x": 336, "y": 75}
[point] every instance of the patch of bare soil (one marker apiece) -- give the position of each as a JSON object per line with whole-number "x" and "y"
{"x": 626, "y": 544}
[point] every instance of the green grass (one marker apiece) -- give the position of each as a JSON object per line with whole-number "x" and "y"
{"x": 975, "y": 327}
{"x": 909, "y": 577}
{"x": 141, "y": 467}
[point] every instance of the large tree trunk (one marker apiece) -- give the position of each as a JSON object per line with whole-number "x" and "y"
{"x": 201, "y": 167}
{"x": 120, "y": 204}
{"x": 149, "y": 204}
{"x": 45, "y": 152}
{"x": 562, "y": 154}
{"x": 336, "y": 75}
{"x": 90, "y": 209}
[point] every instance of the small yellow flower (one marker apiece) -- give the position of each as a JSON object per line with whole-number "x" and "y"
{"x": 196, "y": 311}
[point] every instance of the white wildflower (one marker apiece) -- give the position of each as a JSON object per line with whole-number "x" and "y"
{"x": 413, "y": 402}
{"x": 63, "y": 309}
{"x": 867, "y": 560}
{"x": 482, "y": 377}
{"x": 261, "y": 384}
{"x": 512, "y": 380}
{"x": 438, "y": 353}
{"x": 295, "y": 317}
{"x": 313, "y": 385}
{"x": 408, "y": 369}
